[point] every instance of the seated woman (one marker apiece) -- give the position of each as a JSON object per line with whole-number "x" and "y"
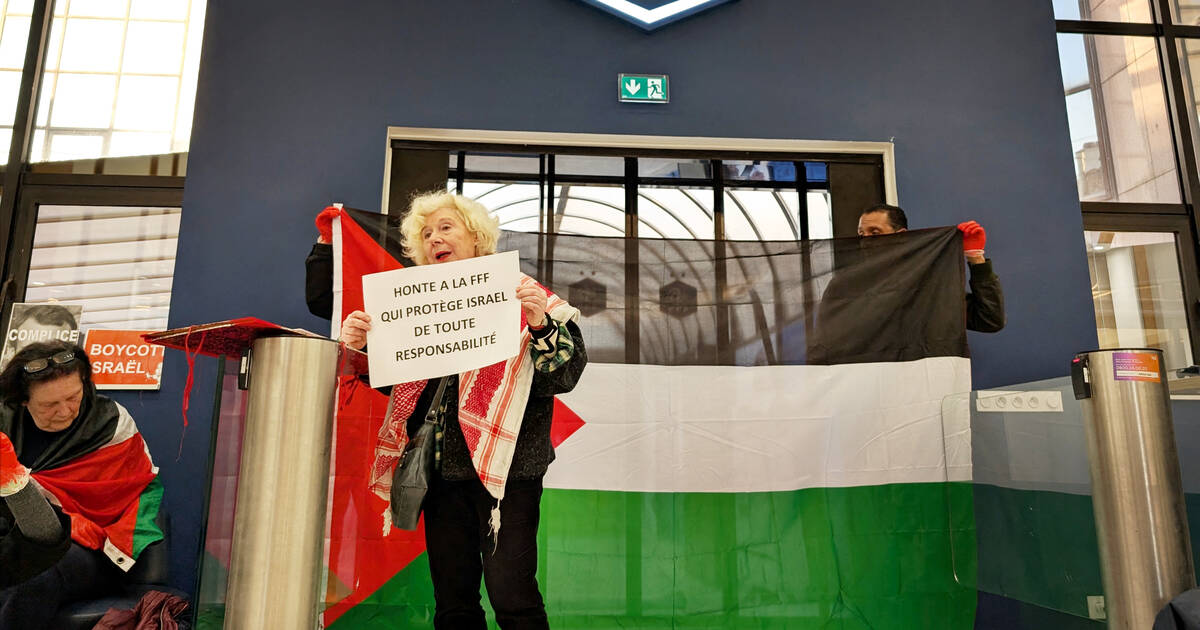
{"x": 83, "y": 453}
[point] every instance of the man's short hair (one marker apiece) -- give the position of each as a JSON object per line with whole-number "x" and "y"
{"x": 48, "y": 315}
{"x": 894, "y": 214}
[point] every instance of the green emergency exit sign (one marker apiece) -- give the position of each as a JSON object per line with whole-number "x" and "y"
{"x": 642, "y": 88}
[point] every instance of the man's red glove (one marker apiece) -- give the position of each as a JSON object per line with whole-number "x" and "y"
{"x": 974, "y": 238}
{"x": 13, "y": 476}
{"x": 325, "y": 223}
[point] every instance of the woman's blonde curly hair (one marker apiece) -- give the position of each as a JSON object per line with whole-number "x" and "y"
{"x": 474, "y": 216}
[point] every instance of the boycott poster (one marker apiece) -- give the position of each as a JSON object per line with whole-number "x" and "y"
{"x": 441, "y": 319}
{"x": 31, "y": 323}
{"x": 121, "y": 359}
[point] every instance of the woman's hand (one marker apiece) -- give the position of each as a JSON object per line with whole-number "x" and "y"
{"x": 354, "y": 329}
{"x": 533, "y": 304}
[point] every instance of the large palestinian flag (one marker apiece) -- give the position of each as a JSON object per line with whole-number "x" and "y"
{"x": 757, "y": 441}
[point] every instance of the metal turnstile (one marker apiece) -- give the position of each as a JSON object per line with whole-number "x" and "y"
{"x": 275, "y": 572}
{"x": 1137, "y": 495}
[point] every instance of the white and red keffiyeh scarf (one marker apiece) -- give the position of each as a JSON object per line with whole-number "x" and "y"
{"x": 491, "y": 406}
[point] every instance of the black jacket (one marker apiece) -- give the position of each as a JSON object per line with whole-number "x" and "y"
{"x": 318, "y": 280}
{"x": 985, "y": 302}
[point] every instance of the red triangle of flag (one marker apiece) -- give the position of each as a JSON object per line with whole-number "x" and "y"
{"x": 564, "y": 423}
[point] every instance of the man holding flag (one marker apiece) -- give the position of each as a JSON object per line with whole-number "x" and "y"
{"x": 985, "y": 302}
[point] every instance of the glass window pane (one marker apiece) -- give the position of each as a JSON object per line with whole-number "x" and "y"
{"x": 45, "y": 99}
{"x": 117, "y": 262}
{"x": 675, "y": 212}
{"x": 759, "y": 215}
{"x": 74, "y": 146}
{"x": 98, "y": 8}
{"x": 146, "y": 103}
{"x": 154, "y": 47}
{"x": 10, "y": 86}
{"x": 96, "y": 78}
{"x": 1189, "y": 51}
{"x": 517, "y": 206}
{"x": 1138, "y": 294}
{"x": 159, "y": 9}
{"x": 81, "y": 100}
{"x": 820, "y": 214}
{"x": 1186, "y": 12}
{"x": 758, "y": 171}
{"x": 500, "y": 163}
{"x": 13, "y": 40}
{"x": 674, "y": 167}
{"x": 54, "y": 47}
{"x": 1117, "y": 111}
{"x": 1104, "y": 10}
{"x": 589, "y": 210}
{"x": 37, "y": 148}
{"x": 589, "y": 165}
{"x": 92, "y": 46}
{"x": 1066, "y": 9}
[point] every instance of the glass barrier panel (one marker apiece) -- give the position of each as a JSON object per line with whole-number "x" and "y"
{"x": 1035, "y": 536}
{"x": 226, "y": 453}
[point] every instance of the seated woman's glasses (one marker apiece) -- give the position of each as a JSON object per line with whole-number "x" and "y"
{"x": 37, "y": 365}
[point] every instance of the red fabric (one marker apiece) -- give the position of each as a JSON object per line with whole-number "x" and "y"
{"x": 100, "y": 492}
{"x": 155, "y": 611}
{"x": 361, "y": 559}
{"x": 973, "y": 235}
{"x": 324, "y": 223}
{"x": 230, "y": 337}
{"x": 13, "y": 476}
{"x": 361, "y": 255}
{"x": 564, "y": 423}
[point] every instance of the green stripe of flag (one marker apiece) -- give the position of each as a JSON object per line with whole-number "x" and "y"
{"x": 145, "y": 530}
{"x": 892, "y": 556}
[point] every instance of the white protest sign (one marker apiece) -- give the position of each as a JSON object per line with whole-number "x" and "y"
{"x": 439, "y": 319}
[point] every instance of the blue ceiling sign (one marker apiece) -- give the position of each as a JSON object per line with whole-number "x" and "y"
{"x": 652, "y": 14}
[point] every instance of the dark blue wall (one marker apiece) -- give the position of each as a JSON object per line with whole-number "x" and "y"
{"x": 295, "y": 96}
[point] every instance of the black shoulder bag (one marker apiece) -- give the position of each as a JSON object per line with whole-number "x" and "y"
{"x": 411, "y": 479}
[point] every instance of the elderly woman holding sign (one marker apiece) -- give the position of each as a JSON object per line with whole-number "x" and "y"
{"x": 495, "y": 446}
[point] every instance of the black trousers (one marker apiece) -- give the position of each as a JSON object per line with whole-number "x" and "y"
{"x": 461, "y": 552}
{"x": 81, "y": 574}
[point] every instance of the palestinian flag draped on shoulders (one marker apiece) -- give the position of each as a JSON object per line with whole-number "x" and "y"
{"x": 99, "y": 472}
{"x": 757, "y": 441}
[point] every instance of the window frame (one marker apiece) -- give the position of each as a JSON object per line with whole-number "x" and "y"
{"x": 1130, "y": 220}
{"x": 70, "y": 189}
{"x": 1179, "y": 218}
{"x": 402, "y": 166}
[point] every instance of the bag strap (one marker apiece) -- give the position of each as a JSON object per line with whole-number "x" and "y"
{"x": 433, "y": 415}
